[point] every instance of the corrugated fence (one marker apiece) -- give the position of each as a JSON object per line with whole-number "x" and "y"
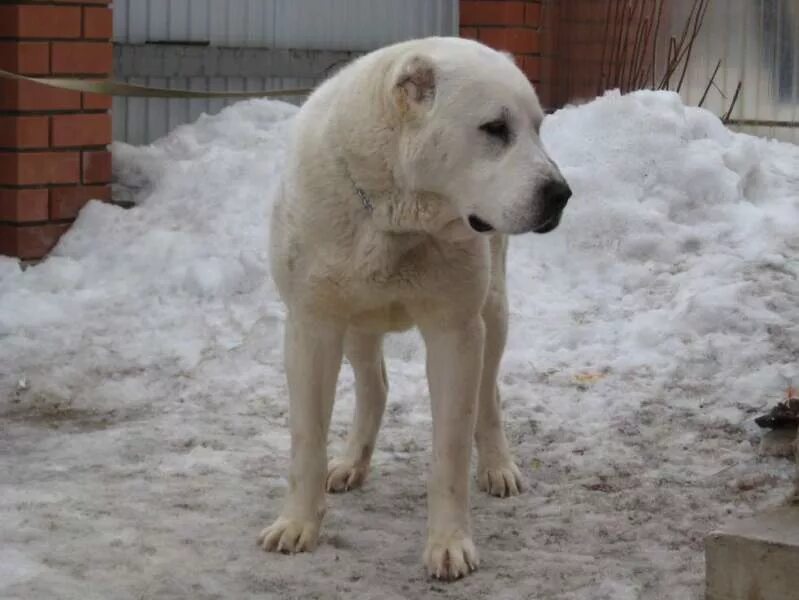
{"x": 248, "y": 45}
{"x": 758, "y": 44}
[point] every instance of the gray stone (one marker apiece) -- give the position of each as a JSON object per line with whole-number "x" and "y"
{"x": 755, "y": 558}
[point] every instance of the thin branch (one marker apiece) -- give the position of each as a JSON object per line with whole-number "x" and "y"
{"x": 710, "y": 83}
{"x": 700, "y": 18}
{"x": 605, "y": 42}
{"x": 728, "y": 115}
{"x": 653, "y": 66}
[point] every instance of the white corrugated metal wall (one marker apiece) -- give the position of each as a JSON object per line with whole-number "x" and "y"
{"x": 346, "y": 25}
{"x": 758, "y": 43}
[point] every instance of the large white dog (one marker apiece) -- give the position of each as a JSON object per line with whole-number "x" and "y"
{"x": 406, "y": 170}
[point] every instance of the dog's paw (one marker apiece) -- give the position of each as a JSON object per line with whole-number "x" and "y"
{"x": 289, "y": 536}
{"x": 450, "y": 556}
{"x": 344, "y": 475}
{"x": 503, "y": 480}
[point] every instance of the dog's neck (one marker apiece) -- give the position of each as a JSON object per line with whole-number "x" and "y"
{"x": 400, "y": 211}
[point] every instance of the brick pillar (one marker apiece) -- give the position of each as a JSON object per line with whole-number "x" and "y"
{"x": 53, "y": 155}
{"x": 511, "y": 25}
{"x": 581, "y": 28}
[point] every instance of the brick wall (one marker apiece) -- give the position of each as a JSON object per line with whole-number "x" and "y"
{"x": 560, "y": 44}
{"x": 53, "y": 155}
{"x": 596, "y": 45}
{"x": 511, "y": 25}
{"x": 579, "y": 29}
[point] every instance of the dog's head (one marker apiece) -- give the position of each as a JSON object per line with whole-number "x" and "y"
{"x": 469, "y": 123}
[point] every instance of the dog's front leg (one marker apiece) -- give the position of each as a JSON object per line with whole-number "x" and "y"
{"x": 454, "y": 361}
{"x": 313, "y": 358}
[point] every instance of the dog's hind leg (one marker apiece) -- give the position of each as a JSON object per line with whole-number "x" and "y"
{"x": 313, "y": 358}
{"x": 364, "y": 351}
{"x": 497, "y": 474}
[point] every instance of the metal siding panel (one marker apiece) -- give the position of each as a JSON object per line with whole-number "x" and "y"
{"x": 218, "y": 22}
{"x": 157, "y": 111}
{"x": 178, "y": 20}
{"x": 157, "y": 29}
{"x": 236, "y": 34}
{"x": 199, "y": 20}
{"x": 120, "y": 13}
{"x": 177, "y": 108}
{"x": 137, "y": 21}
{"x": 119, "y": 111}
{"x": 758, "y": 42}
{"x": 350, "y": 25}
{"x": 360, "y": 24}
{"x": 255, "y": 33}
{"x": 136, "y": 121}
{"x": 198, "y": 106}
{"x": 335, "y": 24}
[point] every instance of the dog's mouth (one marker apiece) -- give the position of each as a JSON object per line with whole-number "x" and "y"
{"x": 548, "y": 225}
{"x": 479, "y": 225}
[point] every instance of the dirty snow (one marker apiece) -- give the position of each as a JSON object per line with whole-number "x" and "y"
{"x": 144, "y": 442}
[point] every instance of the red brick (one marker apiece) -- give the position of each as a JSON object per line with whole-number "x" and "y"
{"x": 40, "y": 21}
{"x": 81, "y": 57}
{"x": 27, "y": 168}
{"x": 513, "y": 39}
{"x": 24, "y": 132}
{"x": 96, "y": 166}
{"x": 81, "y": 1}
{"x": 8, "y": 21}
{"x": 98, "y": 23}
{"x": 580, "y": 33}
{"x": 546, "y": 95}
{"x": 547, "y": 67}
{"x": 470, "y": 33}
{"x": 8, "y": 240}
{"x": 532, "y": 14}
{"x": 24, "y": 95}
{"x": 27, "y": 58}
{"x": 30, "y": 241}
{"x": 92, "y": 129}
{"x": 96, "y": 101}
{"x": 531, "y": 66}
{"x": 66, "y": 202}
{"x": 491, "y": 12}
{"x": 19, "y": 206}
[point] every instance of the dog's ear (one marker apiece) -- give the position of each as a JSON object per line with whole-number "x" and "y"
{"x": 414, "y": 83}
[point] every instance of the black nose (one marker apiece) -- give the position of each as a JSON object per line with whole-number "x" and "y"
{"x": 556, "y": 194}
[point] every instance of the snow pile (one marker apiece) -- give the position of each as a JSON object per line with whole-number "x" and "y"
{"x": 143, "y": 405}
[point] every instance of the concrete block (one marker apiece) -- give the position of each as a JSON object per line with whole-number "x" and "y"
{"x": 755, "y": 558}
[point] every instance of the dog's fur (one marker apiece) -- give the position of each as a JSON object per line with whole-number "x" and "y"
{"x": 391, "y": 163}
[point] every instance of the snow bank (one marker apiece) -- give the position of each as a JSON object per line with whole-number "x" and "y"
{"x": 144, "y": 409}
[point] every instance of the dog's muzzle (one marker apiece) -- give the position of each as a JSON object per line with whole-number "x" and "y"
{"x": 479, "y": 225}
{"x": 554, "y": 195}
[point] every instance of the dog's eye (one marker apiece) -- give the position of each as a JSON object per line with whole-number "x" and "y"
{"x": 497, "y": 129}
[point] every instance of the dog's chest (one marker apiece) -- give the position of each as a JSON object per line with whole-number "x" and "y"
{"x": 386, "y": 277}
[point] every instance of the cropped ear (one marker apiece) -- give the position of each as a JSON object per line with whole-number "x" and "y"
{"x": 414, "y": 83}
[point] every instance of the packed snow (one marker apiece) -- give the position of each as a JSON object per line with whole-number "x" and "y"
{"x": 143, "y": 410}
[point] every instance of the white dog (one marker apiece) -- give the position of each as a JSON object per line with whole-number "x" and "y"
{"x": 407, "y": 167}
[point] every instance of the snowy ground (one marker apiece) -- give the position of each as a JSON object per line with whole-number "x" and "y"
{"x": 143, "y": 439}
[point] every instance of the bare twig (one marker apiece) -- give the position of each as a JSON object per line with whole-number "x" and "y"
{"x": 632, "y": 42}
{"x": 700, "y": 18}
{"x": 655, "y": 42}
{"x": 710, "y": 83}
{"x": 680, "y": 47}
{"x": 605, "y": 49}
{"x": 726, "y": 118}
